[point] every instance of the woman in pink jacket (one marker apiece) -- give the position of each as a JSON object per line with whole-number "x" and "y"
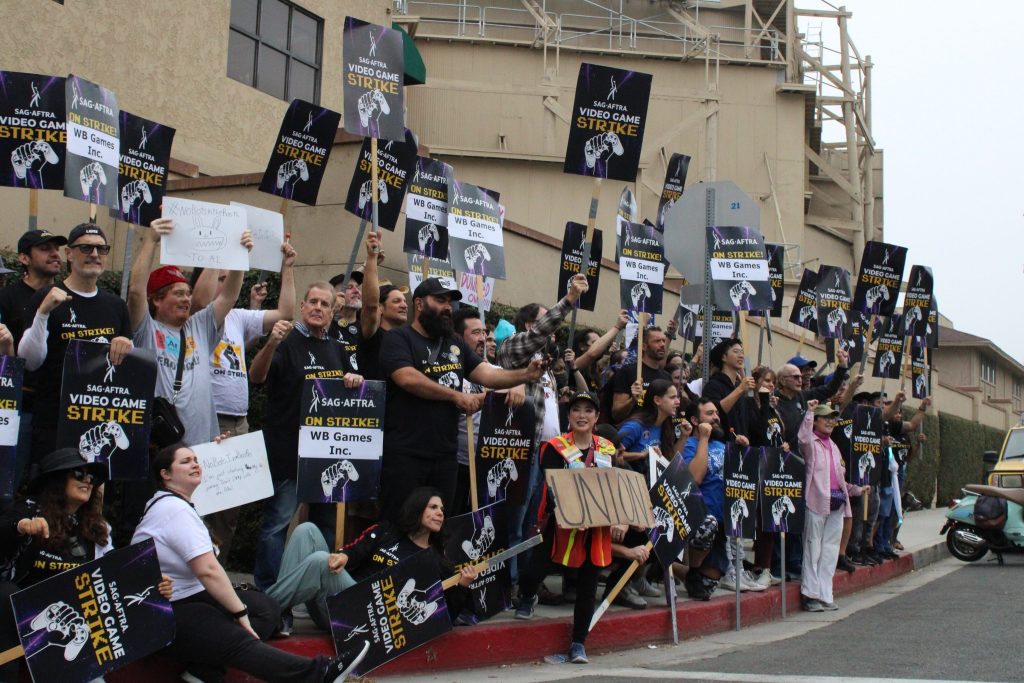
{"x": 828, "y": 500}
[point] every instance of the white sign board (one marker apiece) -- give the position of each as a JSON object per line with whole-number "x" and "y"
{"x": 235, "y": 472}
{"x": 267, "y": 237}
{"x": 205, "y": 235}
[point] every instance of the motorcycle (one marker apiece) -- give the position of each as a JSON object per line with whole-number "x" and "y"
{"x": 987, "y": 518}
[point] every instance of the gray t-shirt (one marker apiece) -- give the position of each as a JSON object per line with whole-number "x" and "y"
{"x": 195, "y": 401}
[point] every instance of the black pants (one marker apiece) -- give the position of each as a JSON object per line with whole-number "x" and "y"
{"x": 461, "y": 503}
{"x": 402, "y": 472}
{"x": 630, "y": 540}
{"x": 540, "y": 565}
{"x": 209, "y": 637}
{"x": 8, "y": 632}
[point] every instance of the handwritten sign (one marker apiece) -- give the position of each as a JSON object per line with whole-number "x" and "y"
{"x": 205, "y": 235}
{"x": 467, "y": 285}
{"x": 600, "y": 496}
{"x": 235, "y": 472}
{"x": 267, "y": 229}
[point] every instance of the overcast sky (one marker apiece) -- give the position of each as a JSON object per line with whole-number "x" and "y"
{"x": 948, "y": 110}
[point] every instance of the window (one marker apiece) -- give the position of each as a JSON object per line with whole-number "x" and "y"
{"x": 1018, "y": 389}
{"x": 275, "y": 47}
{"x": 988, "y": 371}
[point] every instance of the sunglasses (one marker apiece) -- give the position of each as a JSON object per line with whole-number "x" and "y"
{"x": 83, "y": 475}
{"x": 101, "y": 249}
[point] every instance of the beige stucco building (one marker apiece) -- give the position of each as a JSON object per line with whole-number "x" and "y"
{"x": 736, "y": 86}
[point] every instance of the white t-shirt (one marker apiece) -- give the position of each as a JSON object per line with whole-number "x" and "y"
{"x": 230, "y": 380}
{"x": 180, "y": 536}
{"x": 551, "y": 427}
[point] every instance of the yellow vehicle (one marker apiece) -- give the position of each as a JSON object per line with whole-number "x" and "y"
{"x": 1008, "y": 470}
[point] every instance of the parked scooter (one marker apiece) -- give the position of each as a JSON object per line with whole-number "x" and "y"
{"x": 987, "y": 518}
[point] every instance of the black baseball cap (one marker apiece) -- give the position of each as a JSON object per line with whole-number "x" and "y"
{"x": 584, "y": 396}
{"x": 434, "y": 286}
{"x": 357, "y": 277}
{"x": 34, "y": 238}
{"x": 83, "y": 229}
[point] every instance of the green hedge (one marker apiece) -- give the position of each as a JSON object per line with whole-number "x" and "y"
{"x": 924, "y": 469}
{"x": 962, "y": 443}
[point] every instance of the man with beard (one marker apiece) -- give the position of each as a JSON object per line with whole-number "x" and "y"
{"x": 384, "y": 309}
{"x": 293, "y": 354}
{"x": 704, "y": 455}
{"x": 425, "y": 363}
{"x": 74, "y": 309}
{"x": 348, "y": 303}
{"x": 627, "y": 393}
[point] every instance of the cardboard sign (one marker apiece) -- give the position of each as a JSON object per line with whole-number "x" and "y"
{"x": 267, "y": 229}
{"x": 426, "y": 209}
{"x": 12, "y": 371}
{"x": 922, "y": 373}
{"x": 235, "y": 472}
{"x": 205, "y": 235}
{"x": 475, "y": 537}
{"x": 396, "y": 161}
{"x": 678, "y": 508}
{"x": 641, "y": 269}
{"x": 781, "y": 491}
{"x": 341, "y": 440}
{"x": 599, "y": 496}
{"x": 609, "y": 114}
{"x": 627, "y": 212}
{"x": 472, "y": 297}
{"x": 503, "y": 450}
{"x": 88, "y": 621}
{"x": 832, "y": 294}
{"x": 106, "y": 410}
{"x": 805, "y": 305}
{"x": 438, "y": 268}
{"x": 373, "y": 71}
{"x": 917, "y": 301}
{"x": 739, "y": 269}
{"x": 395, "y": 610}
{"x": 880, "y": 278}
{"x": 889, "y": 350}
{"x": 740, "y": 475}
{"x": 776, "y": 276}
{"x": 475, "y": 241}
{"x": 572, "y": 258}
{"x": 304, "y": 143}
{"x": 32, "y": 116}
{"x": 866, "y": 445}
{"x": 93, "y": 143}
{"x": 142, "y": 173}
{"x": 672, "y": 190}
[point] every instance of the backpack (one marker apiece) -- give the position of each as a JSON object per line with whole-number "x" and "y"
{"x": 990, "y": 512}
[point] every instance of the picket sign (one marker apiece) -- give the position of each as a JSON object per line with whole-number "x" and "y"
{"x": 595, "y": 198}
{"x": 867, "y": 342}
{"x": 474, "y": 498}
{"x": 454, "y": 579}
{"x": 603, "y": 607}
{"x": 375, "y": 198}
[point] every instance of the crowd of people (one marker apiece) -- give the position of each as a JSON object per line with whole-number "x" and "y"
{"x": 593, "y": 408}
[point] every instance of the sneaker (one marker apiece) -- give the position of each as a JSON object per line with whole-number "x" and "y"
{"x": 578, "y": 654}
{"x": 793, "y": 577}
{"x": 338, "y": 668}
{"x": 765, "y": 579}
{"x": 728, "y": 582}
{"x": 190, "y": 677}
{"x": 526, "y": 607}
{"x": 858, "y": 559}
{"x": 829, "y": 606}
{"x": 898, "y": 546}
{"x": 845, "y": 564}
{"x": 695, "y": 586}
{"x": 628, "y": 597}
{"x": 466, "y": 618}
{"x": 646, "y": 589}
{"x": 888, "y": 555}
{"x": 748, "y": 583}
{"x": 871, "y": 558}
{"x": 812, "y": 605}
{"x": 287, "y": 624}
{"x": 546, "y": 597}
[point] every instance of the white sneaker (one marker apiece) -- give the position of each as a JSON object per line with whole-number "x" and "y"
{"x": 728, "y": 582}
{"x": 747, "y": 583}
{"x": 764, "y": 579}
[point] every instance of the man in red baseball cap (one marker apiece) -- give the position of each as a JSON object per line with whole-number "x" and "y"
{"x": 161, "y": 320}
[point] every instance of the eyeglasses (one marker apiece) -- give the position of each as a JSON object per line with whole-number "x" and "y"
{"x": 83, "y": 475}
{"x": 101, "y": 249}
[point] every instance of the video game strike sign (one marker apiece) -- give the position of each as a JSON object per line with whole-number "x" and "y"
{"x": 32, "y": 130}
{"x": 678, "y": 508}
{"x": 606, "y": 131}
{"x": 340, "y": 441}
{"x": 304, "y": 143}
{"x": 739, "y": 268}
{"x": 805, "y": 306}
{"x": 740, "y": 477}
{"x": 426, "y": 209}
{"x": 917, "y": 301}
{"x": 503, "y": 449}
{"x": 12, "y": 371}
{"x": 475, "y": 242}
{"x": 879, "y": 279}
{"x": 781, "y": 477}
{"x": 475, "y": 537}
{"x": 641, "y": 268}
{"x": 94, "y": 147}
{"x": 866, "y": 445}
{"x": 889, "y": 351}
{"x": 396, "y": 160}
{"x": 142, "y": 172}
{"x": 373, "y": 69}
{"x": 572, "y": 260}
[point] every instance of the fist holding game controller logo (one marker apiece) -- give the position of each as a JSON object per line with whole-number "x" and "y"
{"x": 65, "y": 628}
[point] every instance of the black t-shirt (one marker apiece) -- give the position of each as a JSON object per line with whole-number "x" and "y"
{"x": 348, "y": 337}
{"x": 26, "y": 560}
{"x": 14, "y": 305}
{"x": 97, "y": 318}
{"x": 296, "y": 359}
{"x": 626, "y": 375}
{"x": 369, "y": 355}
{"x": 417, "y": 425}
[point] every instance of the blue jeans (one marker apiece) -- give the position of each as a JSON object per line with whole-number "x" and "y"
{"x": 278, "y": 511}
{"x": 522, "y": 518}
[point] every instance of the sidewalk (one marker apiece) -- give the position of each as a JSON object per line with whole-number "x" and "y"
{"x": 503, "y": 640}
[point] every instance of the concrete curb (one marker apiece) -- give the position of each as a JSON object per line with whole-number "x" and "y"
{"x": 504, "y": 642}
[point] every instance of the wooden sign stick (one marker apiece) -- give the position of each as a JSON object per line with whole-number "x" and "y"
{"x": 867, "y": 342}
{"x": 92, "y": 212}
{"x": 907, "y": 351}
{"x": 603, "y": 607}
{"x": 642, "y": 317}
{"x": 339, "y": 525}
{"x": 453, "y": 580}
{"x": 33, "y": 208}
{"x": 588, "y": 243}
{"x": 803, "y": 336}
{"x": 10, "y": 655}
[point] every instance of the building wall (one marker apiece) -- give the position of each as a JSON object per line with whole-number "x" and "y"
{"x": 959, "y": 365}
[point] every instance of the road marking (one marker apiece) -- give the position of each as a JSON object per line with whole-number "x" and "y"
{"x": 637, "y": 673}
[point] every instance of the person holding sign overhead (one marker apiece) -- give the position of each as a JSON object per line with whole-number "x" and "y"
{"x": 160, "y": 303}
{"x": 75, "y": 309}
{"x": 587, "y": 550}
